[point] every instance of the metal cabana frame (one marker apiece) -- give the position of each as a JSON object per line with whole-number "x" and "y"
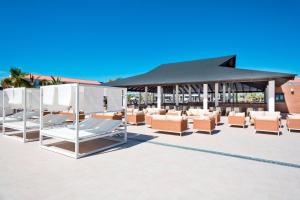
{"x": 121, "y": 129}
{"x": 21, "y": 125}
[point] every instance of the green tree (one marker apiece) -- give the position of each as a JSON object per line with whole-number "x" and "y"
{"x": 17, "y": 79}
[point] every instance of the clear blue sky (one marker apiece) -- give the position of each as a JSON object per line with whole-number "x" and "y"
{"x": 114, "y": 38}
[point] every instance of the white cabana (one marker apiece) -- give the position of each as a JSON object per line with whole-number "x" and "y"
{"x": 25, "y": 103}
{"x": 88, "y": 99}
{"x": 2, "y": 104}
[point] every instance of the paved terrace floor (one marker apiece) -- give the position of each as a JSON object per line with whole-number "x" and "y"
{"x": 234, "y": 163}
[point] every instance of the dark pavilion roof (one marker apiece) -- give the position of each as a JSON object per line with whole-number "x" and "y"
{"x": 221, "y": 69}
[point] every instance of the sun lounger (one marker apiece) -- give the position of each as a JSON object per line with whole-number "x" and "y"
{"x": 90, "y": 128}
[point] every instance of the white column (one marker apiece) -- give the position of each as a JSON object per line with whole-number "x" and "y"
{"x": 224, "y": 92}
{"x": 266, "y": 95}
{"x": 177, "y": 95}
{"x": 271, "y": 96}
{"x": 146, "y": 96}
{"x": 190, "y": 93}
{"x": 216, "y": 94}
{"x": 159, "y": 96}
{"x": 205, "y": 104}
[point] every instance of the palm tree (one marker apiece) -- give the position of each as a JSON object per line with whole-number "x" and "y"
{"x": 55, "y": 81}
{"x": 16, "y": 79}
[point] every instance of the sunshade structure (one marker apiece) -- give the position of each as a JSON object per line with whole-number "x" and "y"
{"x": 25, "y": 102}
{"x": 88, "y": 99}
{"x": 215, "y": 75}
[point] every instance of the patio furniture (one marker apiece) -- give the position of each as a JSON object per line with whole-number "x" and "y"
{"x": 99, "y": 134}
{"x": 27, "y": 102}
{"x": 236, "y": 109}
{"x": 194, "y": 113}
{"x": 108, "y": 115}
{"x": 152, "y": 111}
{"x": 267, "y": 124}
{"x": 228, "y": 110}
{"x": 71, "y": 115}
{"x": 135, "y": 117}
{"x": 219, "y": 109}
{"x": 293, "y": 122}
{"x": 217, "y": 117}
{"x": 174, "y": 112}
{"x": 236, "y": 119}
{"x": 254, "y": 114}
{"x": 204, "y": 123}
{"x": 169, "y": 123}
{"x": 261, "y": 109}
{"x": 248, "y": 111}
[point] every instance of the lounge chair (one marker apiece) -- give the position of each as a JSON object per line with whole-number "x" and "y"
{"x": 267, "y": 124}
{"x": 33, "y": 125}
{"x": 293, "y": 122}
{"x": 236, "y": 119}
{"x": 204, "y": 123}
{"x": 168, "y": 123}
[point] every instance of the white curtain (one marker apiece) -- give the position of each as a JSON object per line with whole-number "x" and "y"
{"x": 91, "y": 99}
{"x": 33, "y": 98}
{"x": 66, "y": 95}
{"x": 114, "y": 99}
{"x": 15, "y": 97}
{"x": 49, "y": 95}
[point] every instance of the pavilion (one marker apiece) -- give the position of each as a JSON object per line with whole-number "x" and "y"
{"x": 215, "y": 79}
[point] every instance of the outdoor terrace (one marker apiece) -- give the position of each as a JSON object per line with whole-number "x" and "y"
{"x": 233, "y": 163}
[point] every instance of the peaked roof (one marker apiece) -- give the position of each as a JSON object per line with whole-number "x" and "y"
{"x": 220, "y": 69}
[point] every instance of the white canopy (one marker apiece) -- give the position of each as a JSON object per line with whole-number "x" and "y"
{"x": 91, "y": 98}
{"x": 14, "y": 98}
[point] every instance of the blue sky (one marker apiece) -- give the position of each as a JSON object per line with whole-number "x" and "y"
{"x": 103, "y": 40}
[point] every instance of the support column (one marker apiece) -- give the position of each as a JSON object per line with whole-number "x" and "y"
{"x": 271, "y": 96}
{"x": 177, "y": 95}
{"x": 140, "y": 99}
{"x": 159, "y": 96}
{"x": 190, "y": 93}
{"x": 224, "y": 92}
{"x": 228, "y": 93}
{"x": 146, "y": 96}
{"x": 173, "y": 100}
{"x": 216, "y": 94}
{"x": 205, "y": 103}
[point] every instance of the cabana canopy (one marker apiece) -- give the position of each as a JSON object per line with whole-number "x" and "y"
{"x": 195, "y": 73}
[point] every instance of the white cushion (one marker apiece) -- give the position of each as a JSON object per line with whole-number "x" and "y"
{"x": 240, "y": 114}
{"x": 159, "y": 117}
{"x": 173, "y": 117}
